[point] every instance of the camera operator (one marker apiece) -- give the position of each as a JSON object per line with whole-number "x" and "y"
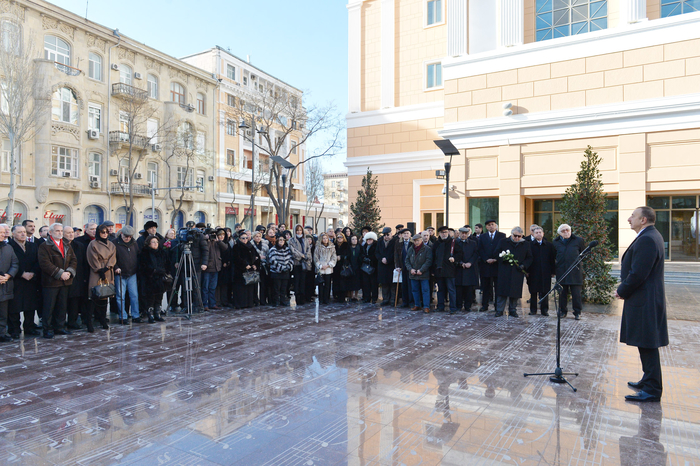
{"x": 199, "y": 247}
{"x": 210, "y": 276}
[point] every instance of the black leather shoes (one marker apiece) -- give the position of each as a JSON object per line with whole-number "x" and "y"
{"x": 533, "y": 313}
{"x": 577, "y": 316}
{"x": 635, "y": 385}
{"x": 498, "y": 314}
{"x": 63, "y": 332}
{"x": 546, "y": 314}
{"x": 137, "y": 320}
{"x": 642, "y": 396}
{"x": 48, "y": 335}
{"x": 513, "y": 314}
{"x": 5, "y": 338}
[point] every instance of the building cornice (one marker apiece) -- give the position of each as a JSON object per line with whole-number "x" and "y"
{"x": 652, "y": 115}
{"x": 396, "y": 163}
{"x": 396, "y": 114}
{"x": 629, "y": 37}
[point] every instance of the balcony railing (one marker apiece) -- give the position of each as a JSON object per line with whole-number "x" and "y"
{"x": 69, "y": 70}
{"x": 139, "y": 189}
{"x": 128, "y": 92}
{"x": 122, "y": 137}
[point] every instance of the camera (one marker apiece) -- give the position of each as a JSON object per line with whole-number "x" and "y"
{"x": 188, "y": 235}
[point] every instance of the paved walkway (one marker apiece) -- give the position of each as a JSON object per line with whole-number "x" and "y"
{"x": 348, "y": 385}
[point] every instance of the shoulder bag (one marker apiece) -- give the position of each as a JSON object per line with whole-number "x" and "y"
{"x": 103, "y": 290}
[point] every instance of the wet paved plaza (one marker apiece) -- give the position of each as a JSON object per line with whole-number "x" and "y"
{"x": 347, "y": 385}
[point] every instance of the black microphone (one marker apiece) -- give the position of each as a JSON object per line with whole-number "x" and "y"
{"x": 591, "y": 245}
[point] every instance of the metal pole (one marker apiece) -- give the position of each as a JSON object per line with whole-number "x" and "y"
{"x": 284, "y": 196}
{"x": 153, "y": 202}
{"x": 448, "y": 165}
{"x": 252, "y": 179}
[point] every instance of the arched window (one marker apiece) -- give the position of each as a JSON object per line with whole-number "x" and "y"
{"x": 56, "y": 49}
{"x": 187, "y": 135}
{"x": 152, "y": 86}
{"x": 177, "y": 93}
{"x": 200, "y": 180}
{"x": 10, "y": 38}
{"x": 95, "y": 66}
{"x": 200, "y": 103}
{"x": 125, "y": 74}
{"x": 64, "y": 106}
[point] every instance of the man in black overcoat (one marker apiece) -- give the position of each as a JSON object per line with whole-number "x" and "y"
{"x": 446, "y": 253}
{"x": 541, "y": 271}
{"x": 385, "y": 265}
{"x": 488, "y": 243}
{"x": 644, "y": 312}
{"x": 403, "y": 244}
{"x": 467, "y": 278}
{"x": 27, "y": 285}
{"x": 568, "y": 247}
{"x": 509, "y": 288}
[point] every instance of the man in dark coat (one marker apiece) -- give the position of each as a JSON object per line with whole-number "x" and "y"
{"x": 511, "y": 275}
{"x": 540, "y": 273}
{"x": 568, "y": 247}
{"x": 403, "y": 244}
{"x": 150, "y": 228}
{"x": 488, "y": 244}
{"x": 385, "y": 265}
{"x": 77, "y": 294}
{"x": 467, "y": 278}
{"x": 644, "y": 312}
{"x": 58, "y": 267}
{"x": 446, "y": 253}
{"x": 27, "y": 283}
{"x": 125, "y": 280}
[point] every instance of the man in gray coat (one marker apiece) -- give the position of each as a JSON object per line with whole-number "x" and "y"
{"x": 644, "y": 312}
{"x": 9, "y": 266}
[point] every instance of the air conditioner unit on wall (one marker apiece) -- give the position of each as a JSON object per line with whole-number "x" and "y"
{"x": 93, "y": 134}
{"x": 115, "y": 67}
{"x": 94, "y": 178}
{"x": 65, "y": 174}
{"x": 211, "y": 178}
{"x": 138, "y": 176}
{"x": 156, "y": 147}
{"x": 94, "y": 184}
{"x": 137, "y": 76}
{"x": 113, "y": 172}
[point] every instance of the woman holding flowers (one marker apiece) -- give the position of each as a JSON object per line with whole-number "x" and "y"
{"x": 514, "y": 257}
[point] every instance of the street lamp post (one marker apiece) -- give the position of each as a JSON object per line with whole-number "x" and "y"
{"x": 244, "y": 126}
{"x": 447, "y": 148}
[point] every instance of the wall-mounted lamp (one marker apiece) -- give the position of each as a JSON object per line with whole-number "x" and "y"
{"x": 507, "y": 109}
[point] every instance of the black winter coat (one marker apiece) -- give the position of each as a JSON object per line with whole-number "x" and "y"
{"x": 487, "y": 250}
{"x": 442, "y": 251}
{"x": 27, "y": 292}
{"x": 642, "y": 287}
{"x": 79, "y": 287}
{"x": 510, "y": 278}
{"x": 469, "y": 254}
{"x": 369, "y": 255}
{"x": 385, "y": 272}
{"x": 339, "y": 282}
{"x": 127, "y": 257}
{"x": 153, "y": 264}
{"x": 243, "y": 255}
{"x": 542, "y": 268}
{"x": 400, "y": 253}
{"x": 354, "y": 258}
{"x": 567, "y": 254}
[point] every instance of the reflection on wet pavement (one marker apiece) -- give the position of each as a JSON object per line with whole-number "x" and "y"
{"x": 349, "y": 385}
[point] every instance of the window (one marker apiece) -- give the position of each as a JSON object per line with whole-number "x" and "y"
{"x": 152, "y": 83}
{"x": 177, "y": 93}
{"x": 230, "y": 100}
{"x": 94, "y": 164}
{"x": 125, "y": 74}
{"x": 187, "y": 136}
{"x": 678, "y": 7}
{"x": 333, "y": 195}
{"x": 245, "y": 80}
{"x": 230, "y": 127}
{"x": 201, "y": 142}
{"x": 434, "y": 75}
{"x": 231, "y": 72}
{"x": 124, "y": 171}
{"x": 294, "y": 147}
{"x": 152, "y": 175}
{"x": 482, "y": 209}
{"x": 64, "y": 106}
{"x": 184, "y": 177}
{"x": 152, "y": 130}
{"x": 561, "y": 18}
{"x": 230, "y": 186}
{"x": 332, "y": 184}
{"x": 57, "y": 50}
{"x": 95, "y": 66}
{"x": 434, "y": 13}
{"x": 95, "y": 117}
{"x": 231, "y": 157}
{"x": 200, "y": 103}
{"x": 64, "y": 160}
{"x": 677, "y": 219}
{"x": 200, "y": 180}
{"x": 10, "y": 37}
{"x": 124, "y": 122}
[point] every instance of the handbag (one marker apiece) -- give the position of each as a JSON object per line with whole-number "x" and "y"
{"x": 251, "y": 278}
{"x": 346, "y": 271}
{"x": 367, "y": 268}
{"x": 319, "y": 279}
{"x": 103, "y": 290}
{"x": 167, "y": 280}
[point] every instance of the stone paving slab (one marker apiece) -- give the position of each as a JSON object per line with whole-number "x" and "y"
{"x": 346, "y": 385}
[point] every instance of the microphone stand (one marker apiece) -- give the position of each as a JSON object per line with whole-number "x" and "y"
{"x": 558, "y": 374}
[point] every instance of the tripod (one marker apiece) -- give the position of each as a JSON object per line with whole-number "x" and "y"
{"x": 558, "y": 374}
{"x": 186, "y": 267}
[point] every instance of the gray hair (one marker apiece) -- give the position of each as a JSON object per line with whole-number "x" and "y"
{"x": 14, "y": 227}
{"x": 52, "y": 227}
{"x": 516, "y": 230}
{"x": 563, "y": 226}
{"x": 3, "y": 225}
{"x": 536, "y": 228}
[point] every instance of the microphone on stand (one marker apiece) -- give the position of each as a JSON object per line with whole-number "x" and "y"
{"x": 590, "y": 246}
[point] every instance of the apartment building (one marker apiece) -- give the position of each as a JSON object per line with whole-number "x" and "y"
{"x": 335, "y": 194}
{"x": 521, "y": 87}
{"x": 122, "y": 120}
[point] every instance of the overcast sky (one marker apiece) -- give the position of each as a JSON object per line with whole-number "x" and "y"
{"x": 303, "y": 43}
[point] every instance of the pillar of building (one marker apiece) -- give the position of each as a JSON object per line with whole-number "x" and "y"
{"x": 354, "y": 55}
{"x": 511, "y": 210}
{"x": 632, "y": 11}
{"x": 457, "y": 22}
{"x": 511, "y": 25}
{"x": 388, "y": 48}
{"x": 632, "y": 163}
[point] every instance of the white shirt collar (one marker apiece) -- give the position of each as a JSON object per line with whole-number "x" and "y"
{"x": 640, "y": 231}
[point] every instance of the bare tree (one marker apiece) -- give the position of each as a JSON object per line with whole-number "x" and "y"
{"x": 280, "y": 114}
{"x": 314, "y": 189}
{"x": 22, "y": 111}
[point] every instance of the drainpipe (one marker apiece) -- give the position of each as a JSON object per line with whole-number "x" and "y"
{"x": 109, "y": 118}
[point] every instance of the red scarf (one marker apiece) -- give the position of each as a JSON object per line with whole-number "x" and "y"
{"x": 418, "y": 248}
{"x": 59, "y": 245}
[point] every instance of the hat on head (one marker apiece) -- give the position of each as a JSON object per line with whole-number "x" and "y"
{"x": 200, "y": 225}
{"x": 77, "y": 229}
{"x": 260, "y": 228}
{"x": 371, "y": 235}
{"x": 386, "y": 230}
{"x": 464, "y": 230}
{"x": 366, "y": 228}
{"x": 416, "y": 236}
{"x": 443, "y": 228}
{"x": 404, "y": 230}
{"x": 309, "y": 227}
{"x": 128, "y": 230}
{"x": 429, "y": 228}
{"x": 150, "y": 224}
{"x": 400, "y": 226}
{"x": 189, "y": 224}
{"x": 489, "y": 221}
{"x": 108, "y": 223}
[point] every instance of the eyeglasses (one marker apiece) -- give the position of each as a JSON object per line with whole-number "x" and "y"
{"x": 242, "y": 237}
{"x": 517, "y": 236}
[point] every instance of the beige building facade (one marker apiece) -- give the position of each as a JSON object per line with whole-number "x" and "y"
{"x": 335, "y": 195}
{"x": 117, "y": 115}
{"x": 522, "y": 87}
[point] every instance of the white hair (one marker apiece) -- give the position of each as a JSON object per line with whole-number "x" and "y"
{"x": 52, "y": 227}
{"x": 516, "y": 230}
{"x": 563, "y": 226}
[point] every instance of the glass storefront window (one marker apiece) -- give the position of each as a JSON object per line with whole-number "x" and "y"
{"x": 482, "y": 209}
{"x": 683, "y": 202}
{"x": 659, "y": 202}
{"x": 677, "y": 220}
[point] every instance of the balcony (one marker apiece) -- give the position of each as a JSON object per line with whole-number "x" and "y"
{"x": 128, "y": 92}
{"x": 122, "y": 138}
{"x": 139, "y": 189}
{"x": 69, "y": 70}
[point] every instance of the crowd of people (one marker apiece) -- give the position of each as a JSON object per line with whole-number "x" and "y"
{"x": 67, "y": 272}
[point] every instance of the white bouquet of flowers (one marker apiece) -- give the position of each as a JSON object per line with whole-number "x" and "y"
{"x": 508, "y": 257}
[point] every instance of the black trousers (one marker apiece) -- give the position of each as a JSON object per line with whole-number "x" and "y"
{"x": 651, "y": 365}
{"x": 406, "y": 293}
{"x": 370, "y": 286}
{"x": 487, "y": 286}
{"x": 324, "y": 290}
{"x": 388, "y": 290}
{"x": 534, "y": 297}
{"x": 14, "y": 324}
{"x": 96, "y": 308}
{"x": 279, "y": 291}
{"x": 53, "y": 314}
{"x": 575, "y": 298}
{"x": 75, "y": 307}
{"x": 300, "y": 286}
{"x": 465, "y": 296}
{"x": 309, "y": 284}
